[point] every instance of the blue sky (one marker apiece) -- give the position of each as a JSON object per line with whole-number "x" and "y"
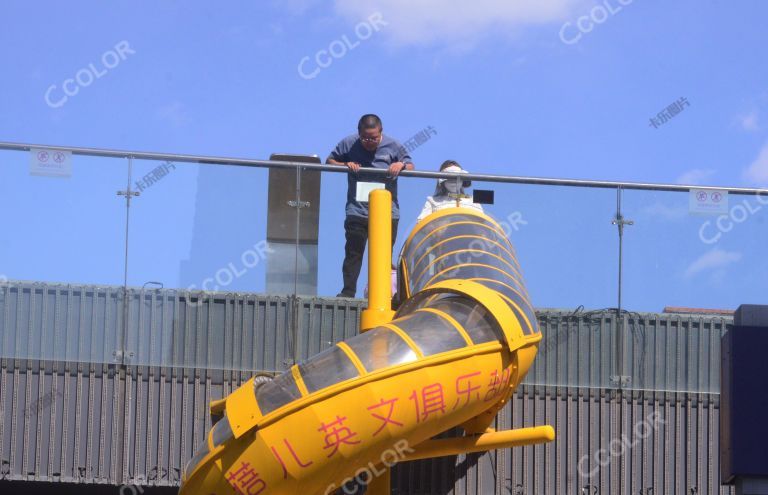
{"x": 523, "y": 88}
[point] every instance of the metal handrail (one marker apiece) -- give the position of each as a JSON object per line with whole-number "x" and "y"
{"x": 248, "y": 162}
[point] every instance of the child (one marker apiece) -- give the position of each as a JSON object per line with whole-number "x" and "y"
{"x": 449, "y": 192}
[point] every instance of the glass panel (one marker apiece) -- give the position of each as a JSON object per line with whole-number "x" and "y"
{"x": 277, "y": 393}
{"x": 577, "y": 350}
{"x": 456, "y": 246}
{"x": 411, "y": 198}
{"x": 692, "y": 260}
{"x": 201, "y": 452}
{"x": 446, "y": 228}
{"x": 381, "y": 347}
{"x": 65, "y": 238}
{"x": 565, "y": 243}
{"x": 673, "y": 352}
{"x": 472, "y": 316}
{"x": 474, "y": 257}
{"x": 222, "y": 431}
{"x": 517, "y": 304}
{"x": 430, "y": 332}
{"x": 331, "y": 243}
{"x": 327, "y": 368}
{"x": 469, "y": 271}
{"x": 440, "y": 223}
{"x": 60, "y": 323}
{"x": 567, "y": 249}
{"x": 452, "y": 260}
{"x": 200, "y": 227}
{"x": 69, "y": 230}
{"x": 695, "y": 267}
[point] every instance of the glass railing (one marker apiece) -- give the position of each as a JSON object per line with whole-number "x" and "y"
{"x": 676, "y": 255}
{"x": 224, "y": 258}
{"x": 59, "y": 226}
{"x": 63, "y": 224}
{"x": 688, "y": 251}
{"x": 564, "y": 241}
{"x": 198, "y": 229}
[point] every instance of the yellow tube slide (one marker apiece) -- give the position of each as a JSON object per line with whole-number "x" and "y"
{"x": 457, "y": 347}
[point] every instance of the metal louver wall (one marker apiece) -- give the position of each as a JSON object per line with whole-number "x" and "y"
{"x": 72, "y": 411}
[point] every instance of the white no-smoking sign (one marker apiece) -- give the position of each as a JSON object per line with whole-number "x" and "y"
{"x": 708, "y": 201}
{"x": 50, "y": 163}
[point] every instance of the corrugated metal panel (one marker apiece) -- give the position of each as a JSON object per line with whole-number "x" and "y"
{"x": 93, "y": 422}
{"x": 169, "y": 328}
{"x": 577, "y": 350}
{"x": 609, "y": 445}
{"x": 674, "y": 352}
{"x": 106, "y": 430}
{"x": 59, "y": 323}
{"x": 256, "y": 332}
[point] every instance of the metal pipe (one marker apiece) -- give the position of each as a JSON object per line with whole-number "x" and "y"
{"x": 128, "y": 196}
{"x": 245, "y": 162}
{"x": 620, "y": 222}
{"x": 481, "y": 443}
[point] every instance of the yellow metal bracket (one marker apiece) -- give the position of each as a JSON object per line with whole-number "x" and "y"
{"x": 490, "y": 299}
{"x": 242, "y": 409}
{"x": 481, "y": 443}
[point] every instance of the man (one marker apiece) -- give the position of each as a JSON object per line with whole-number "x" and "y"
{"x": 369, "y": 148}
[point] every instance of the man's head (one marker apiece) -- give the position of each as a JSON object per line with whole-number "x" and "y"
{"x": 369, "y": 128}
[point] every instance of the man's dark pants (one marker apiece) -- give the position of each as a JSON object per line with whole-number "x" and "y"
{"x": 356, "y": 231}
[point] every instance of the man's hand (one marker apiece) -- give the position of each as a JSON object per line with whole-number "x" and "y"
{"x": 353, "y": 166}
{"x": 395, "y": 168}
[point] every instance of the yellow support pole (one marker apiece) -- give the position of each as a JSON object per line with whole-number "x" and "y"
{"x": 379, "y": 309}
{"x": 481, "y": 443}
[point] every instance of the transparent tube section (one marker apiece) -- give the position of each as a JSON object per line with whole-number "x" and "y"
{"x": 468, "y": 247}
{"x": 459, "y": 246}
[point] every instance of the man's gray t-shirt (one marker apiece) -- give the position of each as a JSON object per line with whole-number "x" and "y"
{"x": 389, "y": 151}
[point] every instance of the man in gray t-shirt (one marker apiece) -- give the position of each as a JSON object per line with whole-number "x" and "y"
{"x": 369, "y": 148}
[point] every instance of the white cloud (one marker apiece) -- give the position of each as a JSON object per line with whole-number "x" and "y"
{"x": 457, "y": 22}
{"x": 174, "y": 113}
{"x": 666, "y": 212}
{"x": 757, "y": 172}
{"x": 716, "y": 259}
{"x": 748, "y": 122}
{"x": 297, "y": 7}
{"x": 695, "y": 176}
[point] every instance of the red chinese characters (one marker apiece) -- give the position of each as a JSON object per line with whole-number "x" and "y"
{"x": 295, "y": 458}
{"x": 385, "y": 419}
{"x": 246, "y": 481}
{"x": 336, "y": 434}
{"x": 432, "y": 401}
{"x": 497, "y": 385}
{"x": 464, "y": 388}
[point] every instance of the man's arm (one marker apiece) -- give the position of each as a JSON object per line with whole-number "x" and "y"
{"x": 339, "y": 157}
{"x": 404, "y": 162}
